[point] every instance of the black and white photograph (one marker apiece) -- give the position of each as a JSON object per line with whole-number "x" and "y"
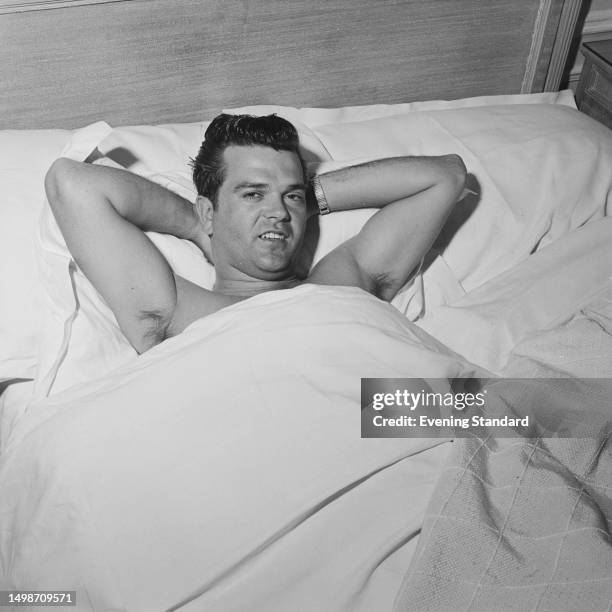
{"x": 306, "y": 305}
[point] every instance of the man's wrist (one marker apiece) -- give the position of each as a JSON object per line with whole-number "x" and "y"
{"x": 319, "y": 198}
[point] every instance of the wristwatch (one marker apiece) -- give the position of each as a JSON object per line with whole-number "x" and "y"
{"x": 319, "y": 195}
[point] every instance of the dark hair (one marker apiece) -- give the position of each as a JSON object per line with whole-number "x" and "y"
{"x": 242, "y": 130}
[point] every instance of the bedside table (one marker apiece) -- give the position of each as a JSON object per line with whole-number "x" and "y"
{"x": 594, "y": 92}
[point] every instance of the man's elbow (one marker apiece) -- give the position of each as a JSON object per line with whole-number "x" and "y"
{"x": 61, "y": 181}
{"x": 455, "y": 174}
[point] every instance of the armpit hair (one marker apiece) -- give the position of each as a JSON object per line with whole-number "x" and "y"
{"x": 157, "y": 323}
{"x": 385, "y": 286}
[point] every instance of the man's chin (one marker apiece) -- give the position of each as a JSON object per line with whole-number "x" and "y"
{"x": 275, "y": 268}
{"x": 274, "y": 275}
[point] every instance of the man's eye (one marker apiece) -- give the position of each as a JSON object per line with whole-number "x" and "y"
{"x": 296, "y": 197}
{"x": 252, "y": 195}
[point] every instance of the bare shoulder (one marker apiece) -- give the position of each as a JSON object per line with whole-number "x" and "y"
{"x": 339, "y": 267}
{"x": 194, "y": 302}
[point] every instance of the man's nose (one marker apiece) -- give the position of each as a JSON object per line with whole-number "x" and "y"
{"x": 276, "y": 208}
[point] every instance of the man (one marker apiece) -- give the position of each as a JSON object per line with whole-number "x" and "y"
{"x": 249, "y": 219}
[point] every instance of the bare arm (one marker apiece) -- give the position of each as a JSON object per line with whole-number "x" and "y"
{"x": 103, "y": 213}
{"x": 415, "y": 195}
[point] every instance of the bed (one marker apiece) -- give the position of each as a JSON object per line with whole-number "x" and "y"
{"x": 225, "y": 469}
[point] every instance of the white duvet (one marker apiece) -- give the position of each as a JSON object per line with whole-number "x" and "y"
{"x": 225, "y": 466}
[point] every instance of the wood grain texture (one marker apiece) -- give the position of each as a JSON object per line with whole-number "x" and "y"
{"x": 594, "y": 92}
{"x": 18, "y": 6}
{"x": 155, "y": 61}
{"x": 553, "y": 34}
{"x": 564, "y": 38}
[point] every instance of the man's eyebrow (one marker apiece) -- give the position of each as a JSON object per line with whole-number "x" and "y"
{"x": 266, "y": 186}
{"x": 249, "y": 185}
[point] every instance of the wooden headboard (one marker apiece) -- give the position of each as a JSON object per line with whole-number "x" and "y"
{"x": 67, "y": 63}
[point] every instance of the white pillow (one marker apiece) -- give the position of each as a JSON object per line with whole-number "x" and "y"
{"x": 59, "y": 301}
{"x": 314, "y": 117}
{"x": 25, "y": 156}
{"x": 491, "y": 140}
{"x": 82, "y": 339}
{"x": 542, "y": 170}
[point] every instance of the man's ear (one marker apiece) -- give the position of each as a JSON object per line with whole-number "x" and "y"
{"x": 206, "y": 211}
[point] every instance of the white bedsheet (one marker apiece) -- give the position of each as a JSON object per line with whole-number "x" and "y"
{"x": 13, "y": 401}
{"x": 542, "y": 292}
{"x": 250, "y": 489}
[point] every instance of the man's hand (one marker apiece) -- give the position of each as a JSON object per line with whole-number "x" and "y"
{"x": 197, "y": 233}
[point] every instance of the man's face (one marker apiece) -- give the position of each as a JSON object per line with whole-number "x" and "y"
{"x": 259, "y": 221}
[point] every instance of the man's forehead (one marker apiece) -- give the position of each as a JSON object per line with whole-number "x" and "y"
{"x": 257, "y": 163}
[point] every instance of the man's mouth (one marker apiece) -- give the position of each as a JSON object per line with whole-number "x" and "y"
{"x": 273, "y": 236}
